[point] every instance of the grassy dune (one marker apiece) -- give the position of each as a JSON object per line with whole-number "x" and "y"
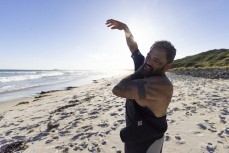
{"x": 212, "y": 59}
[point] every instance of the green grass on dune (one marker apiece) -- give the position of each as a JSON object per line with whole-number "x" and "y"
{"x": 213, "y": 59}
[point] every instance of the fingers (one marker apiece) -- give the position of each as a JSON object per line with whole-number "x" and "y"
{"x": 110, "y": 23}
{"x": 110, "y": 20}
{"x": 113, "y": 27}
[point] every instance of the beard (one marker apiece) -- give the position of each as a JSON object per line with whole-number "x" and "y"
{"x": 149, "y": 71}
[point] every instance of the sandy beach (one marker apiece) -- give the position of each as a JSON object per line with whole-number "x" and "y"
{"x": 89, "y": 118}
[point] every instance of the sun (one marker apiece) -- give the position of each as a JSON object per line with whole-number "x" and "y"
{"x": 142, "y": 35}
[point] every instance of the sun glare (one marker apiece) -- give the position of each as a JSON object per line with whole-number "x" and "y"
{"x": 142, "y": 35}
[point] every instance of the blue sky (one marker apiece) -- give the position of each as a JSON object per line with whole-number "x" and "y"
{"x": 71, "y": 34}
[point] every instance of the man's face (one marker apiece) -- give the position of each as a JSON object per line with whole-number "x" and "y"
{"x": 155, "y": 62}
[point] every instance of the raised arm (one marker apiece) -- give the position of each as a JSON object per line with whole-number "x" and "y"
{"x": 136, "y": 55}
{"x": 114, "y": 24}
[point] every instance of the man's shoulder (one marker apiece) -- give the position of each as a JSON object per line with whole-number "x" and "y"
{"x": 163, "y": 80}
{"x": 160, "y": 81}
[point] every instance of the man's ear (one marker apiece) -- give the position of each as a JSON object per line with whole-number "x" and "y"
{"x": 168, "y": 66}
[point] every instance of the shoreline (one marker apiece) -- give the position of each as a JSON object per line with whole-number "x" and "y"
{"x": 34, "y": 91}
{"x": 89, "y": 118}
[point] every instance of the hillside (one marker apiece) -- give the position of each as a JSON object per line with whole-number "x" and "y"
{"x": 217, "y": 58}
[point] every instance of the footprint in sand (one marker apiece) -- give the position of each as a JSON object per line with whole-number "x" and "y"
{"x": 178, "y": 137}
{"x": 92, "y": 117}
{"x": 106, "y": 108}
{"x": 210, "y": 148}
{"x": 201, "y": 126}
{"x": 1, "y": 117}
{"x": 211, "y": 126}
{"x": 171, "y": 120}
{"x": 121, "y": 121}
{"x": 103, "y": 142}
{"x": 38, "y": 137}
{"x": 212, "y": 129}
{"x": 116, "y": 150}
{"x": 219, "y": 142}
{"x": 117, "y": 105}
{"x": 77, "y": 136}
{"x": 115, "y": 125}
{"x": 120, "y": 109}
{"x": 101, "y": 134}
{"x": 94, "y": 148}
{"x": 89, "y": 134}
{"x": 220, "y": 134}
{"x": 107, "y": 132}
{"x": 91, "y": 149}
{"x": 167, "y": 138}
{"x": 179, "y": 140}
{"x": 86, "y": 127}
{"x": 8, "y": 133}
{"x": 225, "y": 111}
{"x": 198, "y": 133}
{"x": 65, "y": 150}
{"x": 64, "y": 133}
{"x": 103, "y": 125}
{"x": 48, "y": 141}
{"x": 176, "y": 109}
{"x": 227, "y": 131}
{"x": 94, "y": 112}
{"x": 83, "y": 145}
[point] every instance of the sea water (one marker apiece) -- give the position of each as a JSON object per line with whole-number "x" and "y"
{"x": 15, "y": 84}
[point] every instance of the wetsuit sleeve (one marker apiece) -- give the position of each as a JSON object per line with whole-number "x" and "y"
{"x": 138, "y": 59}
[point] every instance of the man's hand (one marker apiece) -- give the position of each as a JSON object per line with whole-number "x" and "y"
{"x": 114, "y": 24}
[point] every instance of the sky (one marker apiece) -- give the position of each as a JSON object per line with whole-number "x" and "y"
{"x": 71, "y": 34}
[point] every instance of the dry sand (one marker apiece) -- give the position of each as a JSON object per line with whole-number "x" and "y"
{"x": 88, "y": 119}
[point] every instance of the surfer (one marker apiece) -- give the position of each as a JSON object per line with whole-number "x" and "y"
{"x": 148, "y": 93}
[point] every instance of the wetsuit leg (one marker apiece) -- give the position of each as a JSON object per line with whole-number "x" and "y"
{"x": 149, "y": 146}
{"x": 156, "y": 147}
{"x": 140, "y": 147}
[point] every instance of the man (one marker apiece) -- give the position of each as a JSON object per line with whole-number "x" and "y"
{"x": 148, "y": 92}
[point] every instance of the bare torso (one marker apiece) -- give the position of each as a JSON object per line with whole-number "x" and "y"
{"x": 157, "y": 102}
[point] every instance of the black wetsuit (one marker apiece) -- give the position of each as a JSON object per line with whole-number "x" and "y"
{"x": 143, "y": 128}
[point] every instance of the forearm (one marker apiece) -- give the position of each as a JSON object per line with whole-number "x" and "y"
{"x": 125, "y": 86}
{"x": 136, "y": 75}
{"x": 130, "y": 40}
{"x": 114, "y": 24}
{"x": 122, "y": 86}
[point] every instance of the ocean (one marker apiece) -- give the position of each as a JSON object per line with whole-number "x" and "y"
{"x": 15, "y": 84}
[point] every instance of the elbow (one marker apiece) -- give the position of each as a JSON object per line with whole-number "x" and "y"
{"x": 114, "y": 91}
{"x": 117, "y": 92}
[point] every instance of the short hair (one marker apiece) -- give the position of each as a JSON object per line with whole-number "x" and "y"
{"x": 168, "y": 47}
